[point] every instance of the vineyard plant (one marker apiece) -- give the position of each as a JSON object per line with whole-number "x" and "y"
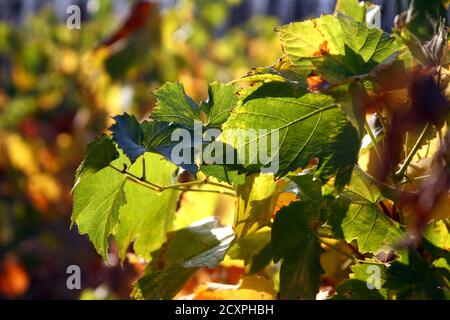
{"x": 346, "y": 196}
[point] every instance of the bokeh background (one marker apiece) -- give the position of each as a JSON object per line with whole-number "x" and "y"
{"x": 57, "y": 92}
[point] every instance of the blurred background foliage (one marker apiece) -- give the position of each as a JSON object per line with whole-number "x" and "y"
{"x": 57, "y": 93}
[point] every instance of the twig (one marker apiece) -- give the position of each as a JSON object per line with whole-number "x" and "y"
{"x": 400, "y": 173}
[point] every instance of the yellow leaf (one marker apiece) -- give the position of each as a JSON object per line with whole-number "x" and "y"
{"x": 334, "y": 261}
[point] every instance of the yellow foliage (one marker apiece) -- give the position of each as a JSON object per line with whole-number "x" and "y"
{"x": 20, "y": 154}
{"x": 23, "y": 80}
{"x": 69, "y": 61}
{"x": 334, "y": 261}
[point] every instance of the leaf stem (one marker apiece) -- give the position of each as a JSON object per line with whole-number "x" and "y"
{"x": 400, "y": 173}
{"x": 338, "y": 250}
{"x": 136, "y": 178}
{"x": 373, "y": 139}
{"x": 231, "y": 194}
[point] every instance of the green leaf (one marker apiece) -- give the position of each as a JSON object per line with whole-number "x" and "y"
{"x": 417, "y": 280}
{"x": 97, "y": 199}
{"x": 337, "y": 46}
{"x": 357, "y": 287}
{"x": 100, "y": 153}
{"x": 107, "y": 203}
{"x": 175, "y": 106}
{"x": 352, "y": 8}
{"x": 163, "y": 137}
{"x": 437, "y": 233}
{"x": 223, "y": 174}
{"x": 147, "y": 215}
{"x": 250, "y": 245}
{"x": 127, "y": 133}
{"x": 294, "y": 240}
{"x": 203, "y": 244}
{"x": 309, "y": 187}
{"x": 222, "y": 99}
{"x": 255, "y": 204}
{"x": 261, "y": 259}
{"x": 356, "y": 215}
{"x": 308, "y": 126}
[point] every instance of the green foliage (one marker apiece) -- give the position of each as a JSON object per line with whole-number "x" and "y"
{"x": 352, "y": 8}
{"x": 317, "y": 200}
{"x": 356, "y": 287}
{"x": 174, "y": 105}
{"x": 300, "y": 122}
{"x": 338, "y": 47}
{"x": 294, "y": 240}
{"x": 175, "y": 262}
{"x": 108, "y": 203}
{"x": 356, "y": 215}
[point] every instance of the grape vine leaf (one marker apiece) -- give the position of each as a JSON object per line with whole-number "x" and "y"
{"x": 163, "y": 138}
{"x": 356, "y": 215}
{"x": 308, "y": 126}
{"x": 175, "y": 262}
{"x": 250, "y": 245}
{"x": 309, "y": 188}
{"x": 127, "y": 133}
{"x": 438, "y": 234}
{"x": 147, "y": 215}
{"x": 357, "y": 287}
{"x": 337, "y": 46}
{"x": 97, "y": 199}
{"x": 294, "y": 240}
{"x": 221, "y": 100}
{"x": 100, "y": 153}
{"x": 175, "y": 106}
{"x": 136, "y": 138}
{"x": 255, "y": 203}
{"x": 352, "y": 8}
{"x": 417, "y": 280}
{"x": 107, "y": 203}
{"x": 224, "y": 174}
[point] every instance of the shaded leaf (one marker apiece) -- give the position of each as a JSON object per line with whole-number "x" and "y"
{"x": 357, "y": 287}
{"x": 357, "y": 216}
{"x": 250, "y": 245}
{"x": 255, "y": 204}
{"x": 417, "y": 280}
{"x": 127, "y": 133}
{"x": 175, "y": 262}
{"x": 295, "y": 242}
{"x": 309, "y": 187}
{"x": 100, "y": 153}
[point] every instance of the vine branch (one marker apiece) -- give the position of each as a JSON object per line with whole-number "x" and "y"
{"x": 401, "y": 173}
{"x": 177, "y": 186}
